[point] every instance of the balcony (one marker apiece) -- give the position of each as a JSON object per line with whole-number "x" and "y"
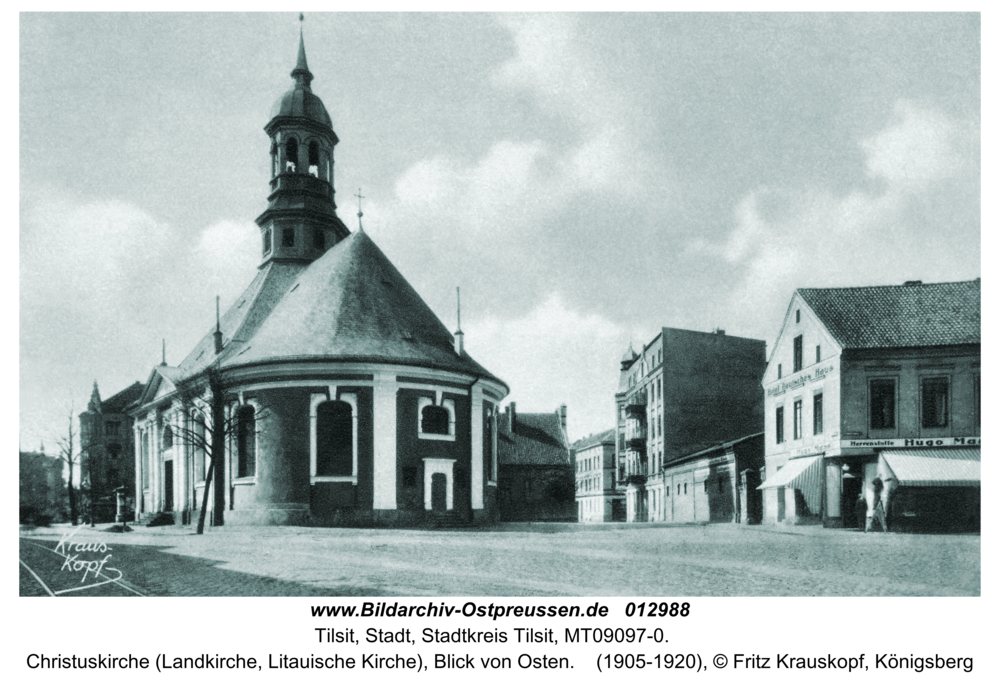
{"x": 638, "y": 443}
{"x": 636, "y": 406}
{"x": 635, "y": 479}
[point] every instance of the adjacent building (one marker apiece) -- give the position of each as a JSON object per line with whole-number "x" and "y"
{"x": 107, "y": 457}
{"x": 686, "y": 392}
{"x": 42, "y": 488}
{"x": 598, "y": 495}
{"x": 876, "y": 381}
{"x": 535, "y": 467}
{"x": 329, "y": 393}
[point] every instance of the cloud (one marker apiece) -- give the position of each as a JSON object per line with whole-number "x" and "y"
{"x": 553, "y": 355}
{"x": 920, "y": 147}
{"x": 786, "y": 238}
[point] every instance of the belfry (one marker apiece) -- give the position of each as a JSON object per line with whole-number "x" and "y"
{"x": 329, "y": 393}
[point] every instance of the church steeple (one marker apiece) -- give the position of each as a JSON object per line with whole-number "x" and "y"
{"x": 300, "y": 222}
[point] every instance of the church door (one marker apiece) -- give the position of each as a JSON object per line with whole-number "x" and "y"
{"x": 168, "y": 486}
{"x": 439, "y": 492}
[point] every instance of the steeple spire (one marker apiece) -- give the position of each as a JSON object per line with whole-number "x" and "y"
{"x": 303, "y": 77}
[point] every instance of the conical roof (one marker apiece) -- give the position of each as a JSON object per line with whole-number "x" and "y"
{"x": 352, "y": 304}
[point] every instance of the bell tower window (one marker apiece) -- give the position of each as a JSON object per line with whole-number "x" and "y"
{"x": 274, "y": 159}
{"x": 267, "y": 241}
{"x": 319, "y": 242}
{"x": 291, "y": 154}
{"x": 314, "y": 159}
{"x": 288, "y": 238}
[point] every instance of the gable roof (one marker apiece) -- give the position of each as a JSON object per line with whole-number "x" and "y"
{"x": 595, "y": 439}
{"x": 537, "y": 439}
{"x": 899, "y": 316}
{"x": 353, "y": 304}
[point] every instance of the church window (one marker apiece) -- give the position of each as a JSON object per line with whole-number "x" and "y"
{"x": 436, "y": 418}
{"x": 319, "y": 241}
{"x": 168, "y": 437}
{"x": 314, "y": 159}
{"x": 334, "y": 439}
{"x": 288, "y": 238}
{"x": 267, "y": 241}
{"x": 246, "y": 440}
{"x": 291, "y": 154}
{"x": 333, "y": 444}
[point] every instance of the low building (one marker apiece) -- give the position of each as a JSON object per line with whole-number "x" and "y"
{"x": 686, "y": 392}
{"x": 876, "y": 381}
{"x": 107, "y": 458}
{"x": 717, "y": 484}
{"x": 535, "y": 467}
{"x": 598, "y": 496}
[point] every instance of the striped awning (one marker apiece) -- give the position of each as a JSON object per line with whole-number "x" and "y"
{"x": 930, "y": 467}
{"x": 805, "y": 473}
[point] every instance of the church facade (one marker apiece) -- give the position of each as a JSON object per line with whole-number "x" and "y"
{"x": 329, "y": 393}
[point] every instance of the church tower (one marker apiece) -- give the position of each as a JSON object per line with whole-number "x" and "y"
{"x": 300, "y": 222}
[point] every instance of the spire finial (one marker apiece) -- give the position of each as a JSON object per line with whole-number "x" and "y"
{"x": 459, "y": 336}
{"x": 164, "y": 360}
{"x": 360, "y": 213}
{"x": 303, "y": 77}
{"x": 217, "y": 336}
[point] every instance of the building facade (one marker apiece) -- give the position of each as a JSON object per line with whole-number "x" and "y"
{"x": 598, "y": 495}
{"x": 42, "y": 488}
{"x": 686, "y": 392}
{"x": 329, "y": 393}
{"x": 879, "y": 381}
{"x": 107, "y": 458}
{"x": 536, "y": 468}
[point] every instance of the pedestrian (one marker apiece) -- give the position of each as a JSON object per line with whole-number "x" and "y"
{"x": 878, "y": 511}
{"x": 861, "y": 510}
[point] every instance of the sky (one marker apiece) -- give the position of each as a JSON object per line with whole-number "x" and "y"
{"x": 584, "y": 178}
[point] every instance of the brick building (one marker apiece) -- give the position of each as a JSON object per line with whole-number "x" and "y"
{"x": 107, "y": 458}
{"x": 329, "y": 393}
{"x": 535, "y": 467}
{"x": 876, "y": 381}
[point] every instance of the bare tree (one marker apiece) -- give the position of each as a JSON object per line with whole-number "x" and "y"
{"x": 209, "y": 439}
{"x": 66, "y": 454}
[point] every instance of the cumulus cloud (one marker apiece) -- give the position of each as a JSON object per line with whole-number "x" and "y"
{"x": 552, "y": 355}
{"x": 787, "y": 238}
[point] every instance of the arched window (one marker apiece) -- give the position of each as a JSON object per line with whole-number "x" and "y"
{"x": 291, "y": 154}
{"x": 168, "y": 437}
{"x": 246, "y": 441}
{"x": 434, "y": 420}
{"x": 314, "y": 158}
{"x": 334, "y": 439}
{"x": 274, "y": 159}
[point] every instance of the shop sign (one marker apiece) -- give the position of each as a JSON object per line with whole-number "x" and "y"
{"x": 943, "y": 442}
{"x": 801, "y": 380}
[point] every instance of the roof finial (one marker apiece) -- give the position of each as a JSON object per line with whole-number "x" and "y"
{"x": 303, "y": 77}
{"x": 358, "y": 195}
{"x": 459, "y": 336}
{"x": 217, "y": 336}
{"x": 164, "y": 360}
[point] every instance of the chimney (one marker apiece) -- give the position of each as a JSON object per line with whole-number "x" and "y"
{"x": 562, "y": 418}
{"x": 511, "y": 416}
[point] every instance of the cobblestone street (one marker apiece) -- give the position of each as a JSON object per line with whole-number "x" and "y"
{"x": 558, "y": 560}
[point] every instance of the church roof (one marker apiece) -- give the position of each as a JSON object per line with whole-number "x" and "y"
{"x": 904, "y": 316}
{"x": 352, "y": 304}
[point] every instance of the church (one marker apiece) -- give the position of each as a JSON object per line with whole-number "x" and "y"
{"x": 329, "y": 393}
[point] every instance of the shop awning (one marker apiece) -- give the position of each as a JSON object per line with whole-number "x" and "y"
{"x": 930, "y": 467}
{"x": 805, "y": 474}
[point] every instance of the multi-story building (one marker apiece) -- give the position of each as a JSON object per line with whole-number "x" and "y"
{"x": 42, "y": 488}
{"x": 877, "y": 381}
{"x": 107, "y": 458}
{"x": 687, "y": 391}
{"x": 598, "y": 497}
{"x": 536, "y": 468}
